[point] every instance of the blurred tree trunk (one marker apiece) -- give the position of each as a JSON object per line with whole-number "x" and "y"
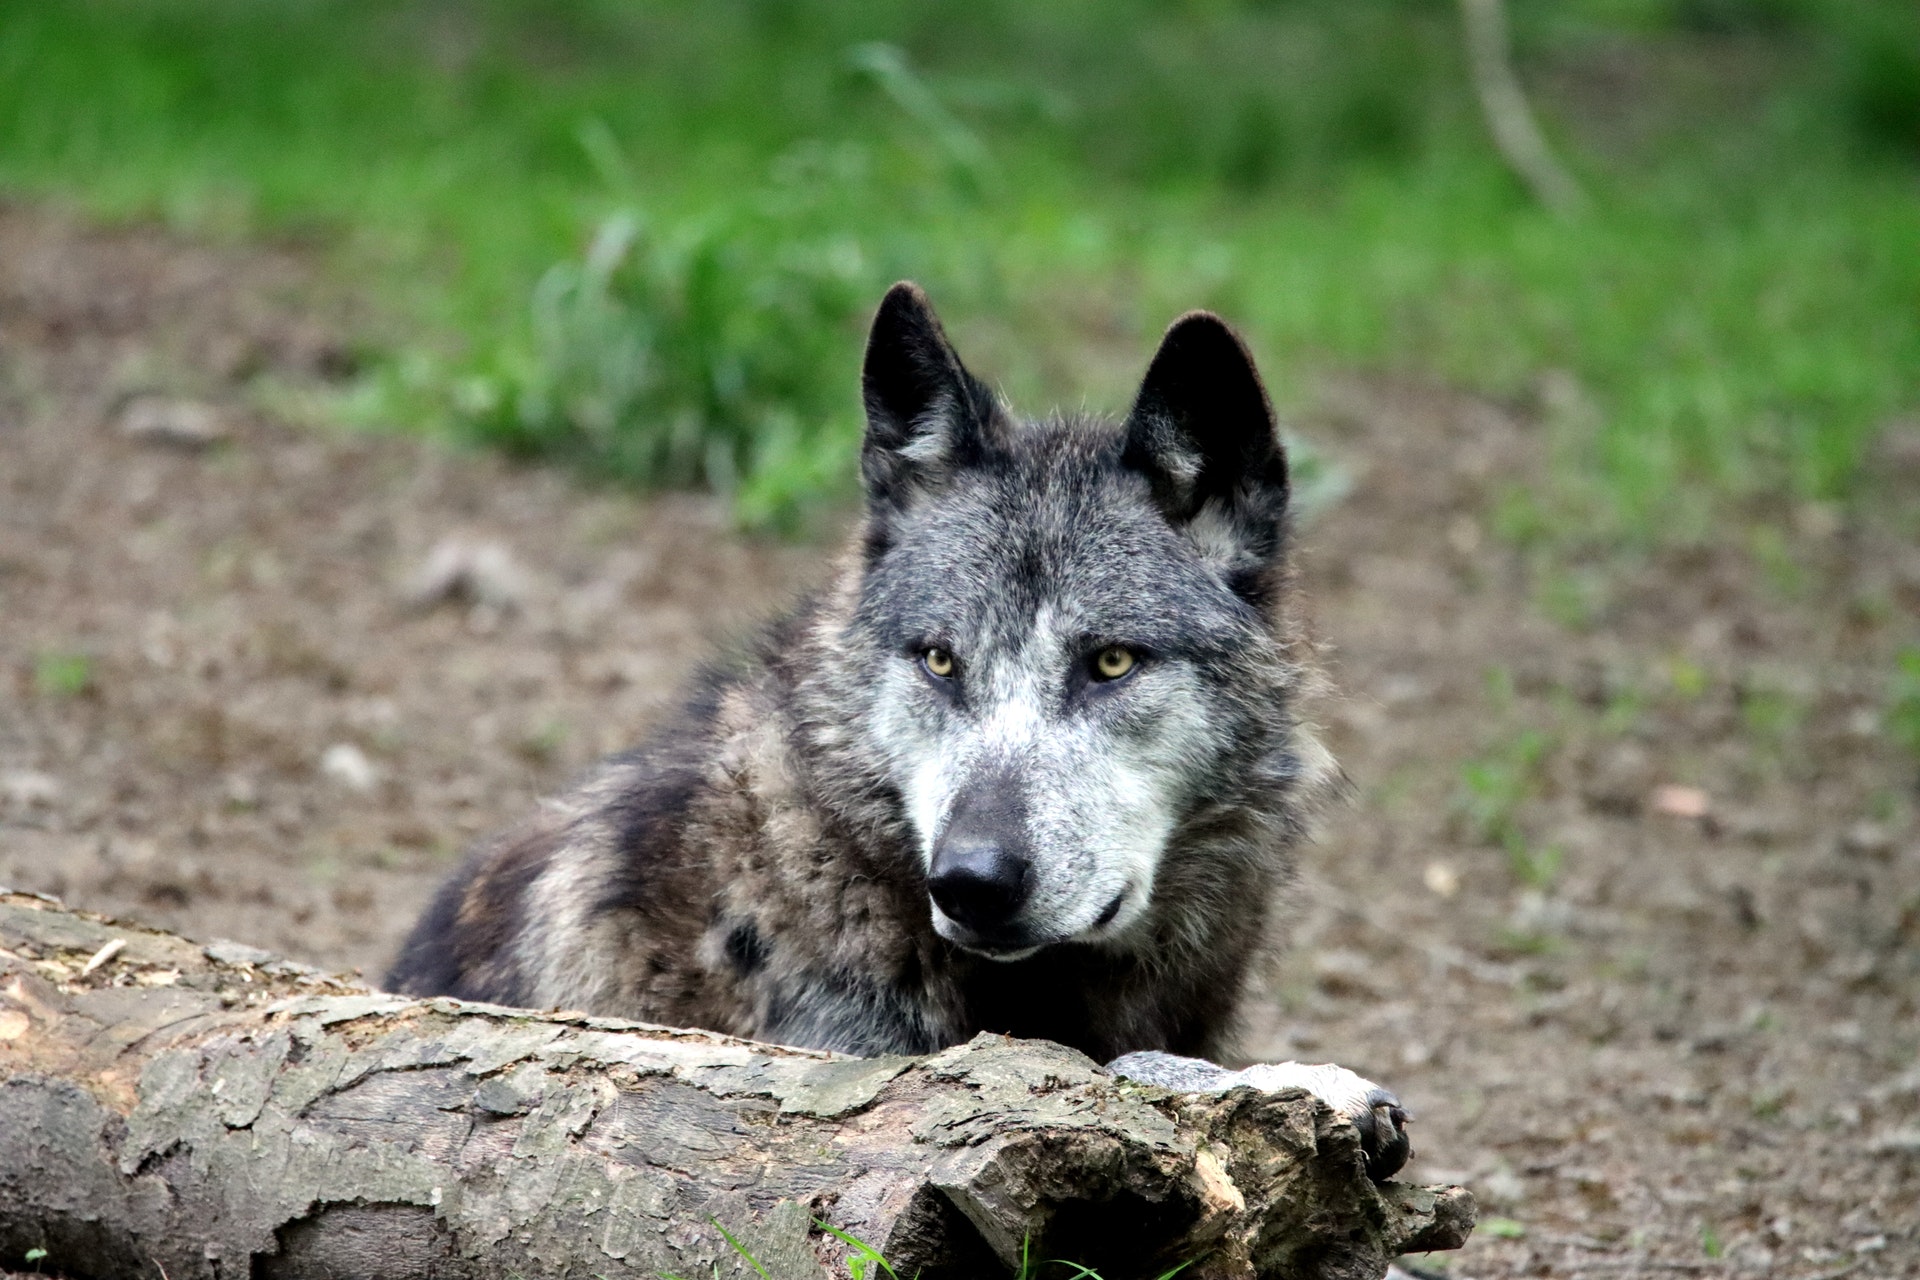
{"x": 187, "y": 1111}
{"x": 1504, "y": 104}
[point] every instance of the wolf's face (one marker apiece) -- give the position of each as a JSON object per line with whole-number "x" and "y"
{"x": 1064, "y": 628}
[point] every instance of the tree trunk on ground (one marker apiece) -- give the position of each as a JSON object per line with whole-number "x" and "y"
{"x": 171, "y": 1109}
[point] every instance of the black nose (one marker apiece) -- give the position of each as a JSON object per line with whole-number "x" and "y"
{"x": 979, "y": 883}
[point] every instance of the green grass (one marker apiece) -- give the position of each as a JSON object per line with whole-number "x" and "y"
{"x": 1727, "y": 328}
{"x": 864, "y": 1262}
{"x": 62, "y": 675}
{"x": 1496, "y": 786}
{"x": 1902, "y": 717}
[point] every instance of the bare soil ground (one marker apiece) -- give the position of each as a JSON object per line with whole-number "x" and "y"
{"x": 1660, "y": 1032}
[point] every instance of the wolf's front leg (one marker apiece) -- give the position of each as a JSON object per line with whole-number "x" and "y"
{"x": 1374, "y": 1111}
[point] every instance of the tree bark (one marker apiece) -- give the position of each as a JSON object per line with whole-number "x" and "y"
{"x": 169, "y": 1109}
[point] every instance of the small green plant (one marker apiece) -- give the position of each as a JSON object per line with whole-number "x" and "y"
{"x": 1492, "y": 790}
{"x": 36, "y": 1257}
{"x": 1770, "y": 715}
{"x": 747, "y": 1254}
{"x": 62, "y": 675}
{"x": 1687, "y": 678}
{"x": 1536, "y": 868}
{"x": 1504, "y": 1229}
{"x": 715, "y": 353}
{"x": 1495, "y": 785}
{"x": 1778, "y": 561}
{"x": 1520, "y": 519}
{"x": 542, "y": 745}
{"x": 1622, "y": 713}
{"x": 864, "y": 1262}
{"x": 1500, "y": 688}
{"x": 1710, "y": 1241}
{"x": 1074, "y": 1271}
{"x": 1527, "y": 941}
{"x": 740, "y": 1249}
{"x": 1032, "y": 1268}
{"x": 1574, "y": 598}
{"x": 863, "y": 1258}
{"x": 1902, "y": 718}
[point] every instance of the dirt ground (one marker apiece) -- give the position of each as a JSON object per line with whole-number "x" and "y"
{"x": 1658, "y": 1031}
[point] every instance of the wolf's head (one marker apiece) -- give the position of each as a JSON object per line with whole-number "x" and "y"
{"x": 1065, "y": 635}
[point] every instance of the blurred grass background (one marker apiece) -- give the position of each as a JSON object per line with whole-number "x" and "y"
{"x": 644, "y": 238}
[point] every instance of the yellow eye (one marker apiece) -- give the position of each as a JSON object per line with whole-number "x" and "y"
{"x": 939, "y": 662}
{"x": 1112, "y": 662}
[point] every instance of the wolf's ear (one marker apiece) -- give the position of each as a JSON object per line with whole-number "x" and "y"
{"x": 926, "y": 415}
{"x": 1203, "y": 433}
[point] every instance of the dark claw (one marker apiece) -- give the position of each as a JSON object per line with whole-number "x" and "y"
{"x": 1383, "y": 1135}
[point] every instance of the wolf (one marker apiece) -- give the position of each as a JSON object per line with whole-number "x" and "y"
{"x": 1032, "y": 762}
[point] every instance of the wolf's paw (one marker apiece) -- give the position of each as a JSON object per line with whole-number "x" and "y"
{"x": 1374, "y": 1111}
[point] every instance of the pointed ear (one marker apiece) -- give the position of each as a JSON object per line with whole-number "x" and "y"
{"x": 1203, "y": 433}
{"x": 926, "y": 415}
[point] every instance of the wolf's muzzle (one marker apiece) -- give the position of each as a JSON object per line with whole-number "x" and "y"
{"x": 979, "y": 884}
{"x": 981, "y": 874}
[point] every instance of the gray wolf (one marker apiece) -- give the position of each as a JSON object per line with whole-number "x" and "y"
{"x": 1031, "y": 762}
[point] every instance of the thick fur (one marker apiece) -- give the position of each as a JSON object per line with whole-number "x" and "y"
{"x": 761, "y": 865}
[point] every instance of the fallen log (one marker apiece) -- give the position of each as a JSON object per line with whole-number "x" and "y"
{"x": 178, "y": 1110}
